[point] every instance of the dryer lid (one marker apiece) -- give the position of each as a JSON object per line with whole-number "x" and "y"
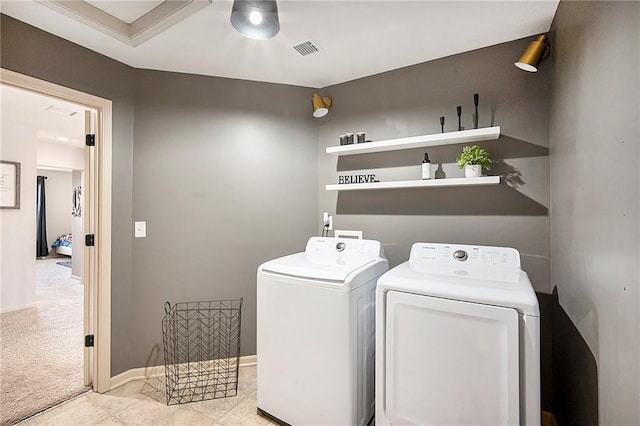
{"x": 332, "y": 260}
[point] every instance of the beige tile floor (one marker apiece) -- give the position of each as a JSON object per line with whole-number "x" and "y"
{"x": 141, "y": 402}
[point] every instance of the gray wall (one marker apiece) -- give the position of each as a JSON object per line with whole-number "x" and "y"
{"x": 409, "y": 102}
{"x": 203, "y": 131}
{"x": 225, "y": 175}
{"x": 193, "y": 133}
{"x": 28, "y": 50}
{"x": 595, "y": 190}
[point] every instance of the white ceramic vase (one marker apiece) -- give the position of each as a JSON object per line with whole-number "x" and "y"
{"x": 472, "y": 170}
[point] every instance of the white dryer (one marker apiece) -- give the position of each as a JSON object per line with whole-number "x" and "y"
{"x": 316, "y": 333}
{"x": 457, "y": 339}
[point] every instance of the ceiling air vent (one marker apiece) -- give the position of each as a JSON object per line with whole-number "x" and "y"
{"x": 62, "y": 110}
{"x": 307, "y": 48}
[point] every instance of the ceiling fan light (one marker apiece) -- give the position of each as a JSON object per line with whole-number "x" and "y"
{"x": 255, "y": 19}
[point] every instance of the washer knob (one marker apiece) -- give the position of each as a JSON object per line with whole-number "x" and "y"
{"x": 340, "y": 246}
{"x": 460, "y": 255}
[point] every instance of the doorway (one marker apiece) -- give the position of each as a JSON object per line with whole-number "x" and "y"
{"x": 96, "y": 271}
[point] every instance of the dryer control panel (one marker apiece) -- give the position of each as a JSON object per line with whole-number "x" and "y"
{"x": 503, "y": 258}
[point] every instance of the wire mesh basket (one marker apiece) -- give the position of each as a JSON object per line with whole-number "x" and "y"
{"x": 201, "y": 350}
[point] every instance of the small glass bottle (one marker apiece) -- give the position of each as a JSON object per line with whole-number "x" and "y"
{"x": 426, "y": 167}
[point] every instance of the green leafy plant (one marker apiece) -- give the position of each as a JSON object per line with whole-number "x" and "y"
{"x": 474, "y": 155}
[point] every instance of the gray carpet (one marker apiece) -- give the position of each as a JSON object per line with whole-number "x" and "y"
{"x": 41, "y": 362}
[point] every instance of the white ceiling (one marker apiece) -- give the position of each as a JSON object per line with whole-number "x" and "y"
{"x": 30, "y": 109}
{"x": 357, "y": 38}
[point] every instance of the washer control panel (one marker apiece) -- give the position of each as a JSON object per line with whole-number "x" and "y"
{"x": 467, "y": 255}
{"x": 346, "y": 248}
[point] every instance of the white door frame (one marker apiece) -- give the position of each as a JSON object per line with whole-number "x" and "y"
{"x": 98, "y": 277}
{"x": 89, "y": 205}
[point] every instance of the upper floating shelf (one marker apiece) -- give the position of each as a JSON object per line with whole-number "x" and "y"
{"x": 449, "y": 138}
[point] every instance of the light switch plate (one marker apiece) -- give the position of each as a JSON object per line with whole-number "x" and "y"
{"x": 140, "y": 229}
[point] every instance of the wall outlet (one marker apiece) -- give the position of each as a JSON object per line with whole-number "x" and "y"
{"x": 327, "y": 220}
{"x": 140, "y": 229}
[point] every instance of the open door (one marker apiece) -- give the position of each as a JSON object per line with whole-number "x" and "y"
{"x": 96, "y": 274}
{"x": 89, "y": 208}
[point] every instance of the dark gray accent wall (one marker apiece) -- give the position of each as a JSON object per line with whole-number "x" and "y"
{"x": 595, "y": 193}
{"x": 409, "y": 102}
{"x": 28, "y": 50}
{"x": 225, "y": 175}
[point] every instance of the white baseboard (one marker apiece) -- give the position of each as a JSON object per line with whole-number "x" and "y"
{"x": 248, "y": 361}
{"x": 17, "y": 308}
{"x": 158, "y": 371}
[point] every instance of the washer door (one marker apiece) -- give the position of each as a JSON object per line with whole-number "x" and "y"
{"x": 450, "y": 362}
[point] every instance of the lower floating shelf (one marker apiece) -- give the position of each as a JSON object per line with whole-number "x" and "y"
{"x": 482, "y": 180}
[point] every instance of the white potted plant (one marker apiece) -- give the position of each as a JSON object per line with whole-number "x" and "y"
{"x": 473, "y": 159}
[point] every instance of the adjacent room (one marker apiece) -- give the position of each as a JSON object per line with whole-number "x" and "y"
{"x": 43, "y": 296}
{"x": 328, "y": 212}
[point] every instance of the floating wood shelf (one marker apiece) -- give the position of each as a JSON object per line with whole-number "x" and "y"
{"x": 449, "y": 138}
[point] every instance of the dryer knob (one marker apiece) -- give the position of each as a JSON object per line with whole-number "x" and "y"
{"x": 340, "y": 246}
{"x": 460, "y": 255}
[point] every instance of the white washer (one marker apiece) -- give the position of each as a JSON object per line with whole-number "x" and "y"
{"x": 458, "y": 339}
{"x": 316, "y": 333}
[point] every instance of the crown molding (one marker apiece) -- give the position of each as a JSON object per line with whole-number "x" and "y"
{"x": 160, "y": 18}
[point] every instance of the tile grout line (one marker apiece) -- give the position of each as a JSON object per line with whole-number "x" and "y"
{"x": 107, "y": 412}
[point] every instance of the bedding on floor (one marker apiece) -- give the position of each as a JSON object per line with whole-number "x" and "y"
{"x": 63, "y": 244}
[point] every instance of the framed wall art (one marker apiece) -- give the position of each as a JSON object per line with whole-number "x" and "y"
{"x": 9, "y": 185}
{"x": 76, "y": 205}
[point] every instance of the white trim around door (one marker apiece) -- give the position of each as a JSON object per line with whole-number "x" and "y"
{"x": 100, "y": 278}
